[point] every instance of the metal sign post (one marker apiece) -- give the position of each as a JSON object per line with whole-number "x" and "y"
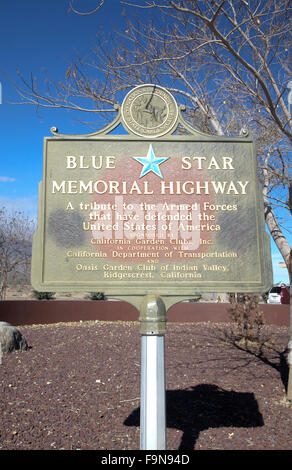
{"x": 152, "y": 406}
{"x": 149, "y": 215}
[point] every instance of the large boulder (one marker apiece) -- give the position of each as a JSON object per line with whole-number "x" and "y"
{"x": 10, "y": 338}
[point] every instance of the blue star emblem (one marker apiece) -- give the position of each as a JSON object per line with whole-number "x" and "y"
{"x": 150, "y": 163}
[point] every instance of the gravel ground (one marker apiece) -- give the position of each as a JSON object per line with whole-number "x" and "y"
{"x": 78, "y": 387}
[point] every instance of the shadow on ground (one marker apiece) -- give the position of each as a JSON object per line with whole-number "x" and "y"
{"x": 205, "y": 406}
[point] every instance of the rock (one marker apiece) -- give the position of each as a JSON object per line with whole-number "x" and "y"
{"x": 10, "y": 338}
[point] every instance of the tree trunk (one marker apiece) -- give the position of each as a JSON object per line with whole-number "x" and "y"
{"x": 285, "y": 250}
{"x": 289, "y": 387}
{"x": 276, "y": 233}
{"x": 3, "y": 287}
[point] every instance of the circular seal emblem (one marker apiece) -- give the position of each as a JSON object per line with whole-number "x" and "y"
{"x": 149, "y": 111}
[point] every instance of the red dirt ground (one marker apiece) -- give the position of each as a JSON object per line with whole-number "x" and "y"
{"x": 78, "y": 387}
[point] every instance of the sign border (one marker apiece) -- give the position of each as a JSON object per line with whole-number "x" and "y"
{"x": 115, "y": 289}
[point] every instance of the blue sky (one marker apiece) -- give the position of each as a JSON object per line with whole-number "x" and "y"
{"x": 37, "y": 35}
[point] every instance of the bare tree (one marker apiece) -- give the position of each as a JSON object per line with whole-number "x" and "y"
{"x": 78, "y": 12}
{"x": 245, "y": 43}
{"x": 227, "y": 61}
{"x": 249, "y": 40}
{"x": 16, "y": 231}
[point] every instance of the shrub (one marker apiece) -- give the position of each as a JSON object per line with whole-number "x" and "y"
{"x": 265, "y": 297}
{"x": 248, "y": 322}
{"x": 196, "y": 298}
{"x": 96, "y": 296}
{"x": 43, "y": 295}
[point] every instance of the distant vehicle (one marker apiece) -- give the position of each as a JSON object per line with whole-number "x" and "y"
{"x": 274, "y": 294}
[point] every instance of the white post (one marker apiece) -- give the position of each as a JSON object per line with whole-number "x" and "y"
{"x": 152, "y": 405}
